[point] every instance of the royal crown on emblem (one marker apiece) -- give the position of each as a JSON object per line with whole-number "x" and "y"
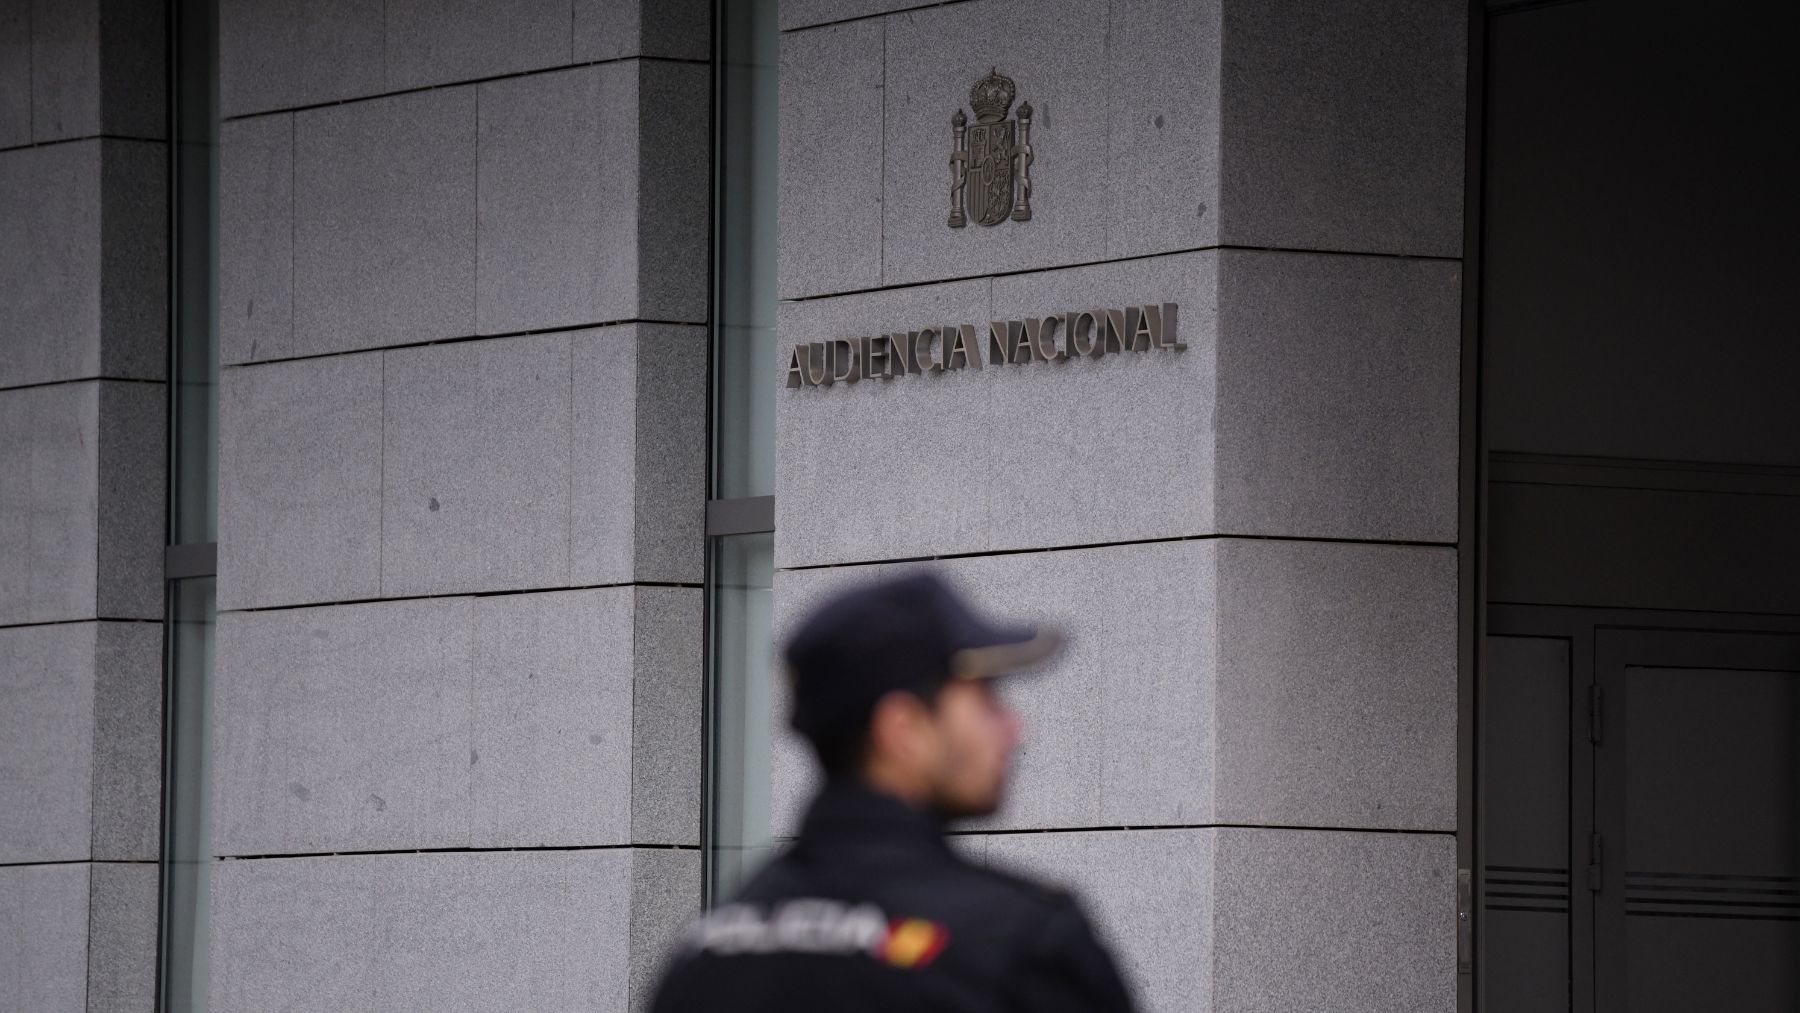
{"x": 991, "y": 97}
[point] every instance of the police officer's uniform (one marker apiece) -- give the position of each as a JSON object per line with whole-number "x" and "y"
{"x": 870, "y": 908}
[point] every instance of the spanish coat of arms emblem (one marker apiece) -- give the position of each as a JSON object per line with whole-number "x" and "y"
{"x": 990, "y": 160}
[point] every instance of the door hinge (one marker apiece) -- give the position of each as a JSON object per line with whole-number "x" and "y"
{"x": 1594, "y": 863}
{"x": 1594, "y": 713}
{"x": 1465, "y": 922}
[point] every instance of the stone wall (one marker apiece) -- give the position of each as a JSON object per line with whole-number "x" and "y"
{"x": 462, "y": 475}
{"x": 82, "y": 359}
{"x": 1247, "y": 758}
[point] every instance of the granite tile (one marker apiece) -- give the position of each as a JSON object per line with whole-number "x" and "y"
{"x": 50, "y": 262}
{"x": 134, "y": 262}
{"x": 44, "y": 938}
{"x": 132, "y": 462}
{"x": 65, "y": 69}
{"x": 604, "y": 455}
{"x": 96, "y": 67}
{"x": 15, "y": 73}
{"x": 46, "y": 742}
{"x": 323, "y": 915}
{"x": 343, "y": 728}
{"x": 50, "y": 507}
{"x": 1336, "y": 699}
{"x": 807, "y": 13}
{"x": 384, "y": 221}
{"x": 677, "y": 29}
{"x": 15, "y": 510}
{"x": 559, "y": 238}
{"x": 300, "y": 479}
{"x": 256, "y": 238}
{"x": 1342, "y": 126}
{"x": 476, "y": 476}
{"x": 670, "y": 465}
{"x": 122, "y": 931}
{"x": 428, "y": 42}
{"x": 612, "y": 29}
{"x": 1338, "y": 396}
{"x": 830, "y": 173}
{"x": 424, "y": 932}
{"x": 134, "y": 62}
{"x": 1163, "y": 102}
{"x": 665, "y": 897}
{"x": 638, "y": 454}
{"x": 83, "y": 271}
{"x": 674, "y": 198}
{"x": 668, "y": 680}
{"x": 127, "y": 743}
{"x": 278, "y": 54}
{"x": 553, "y": 709}
{"x": 1311, "y": 919}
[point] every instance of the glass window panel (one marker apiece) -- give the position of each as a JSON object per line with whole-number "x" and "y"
{"x": 744, "y": 253}
{"x": 194, "y": 227}
{"x": 739, "y": 709}
{"x": 192, "y": 504}
{"x": 187, "y": 761}
{"x": 740, "y": 568}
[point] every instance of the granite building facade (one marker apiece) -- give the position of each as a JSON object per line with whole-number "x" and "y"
{"x": 465, "y": 742}
{"x": 1248, "y": 758}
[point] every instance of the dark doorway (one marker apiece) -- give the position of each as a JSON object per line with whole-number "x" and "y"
{"x": 1639, "y": 687}
{"x": 1639, "y": 837}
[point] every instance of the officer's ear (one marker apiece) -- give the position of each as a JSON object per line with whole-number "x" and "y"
{"x": 900, "y": 728}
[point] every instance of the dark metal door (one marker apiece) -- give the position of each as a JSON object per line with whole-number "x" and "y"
{"x": 1526, "y": 876}
{"x": 1640, "y": 844}
{"x": 1695, "y": 797}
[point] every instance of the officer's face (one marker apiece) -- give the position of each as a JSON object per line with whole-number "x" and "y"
{"x": 976, "y": 734}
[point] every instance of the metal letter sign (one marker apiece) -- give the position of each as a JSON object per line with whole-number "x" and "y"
{"x": 1082, "y": 333}
{"x": 990, "y": 162}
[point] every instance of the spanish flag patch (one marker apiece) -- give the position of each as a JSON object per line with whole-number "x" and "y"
{"x": 911, "y": 943}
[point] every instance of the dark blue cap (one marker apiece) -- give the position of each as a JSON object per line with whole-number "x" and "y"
{"x": 909, "y": 633}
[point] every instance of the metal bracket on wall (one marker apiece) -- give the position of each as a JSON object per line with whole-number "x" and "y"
{"x": 745, "y": 516}
{"x": 199, "y": 559}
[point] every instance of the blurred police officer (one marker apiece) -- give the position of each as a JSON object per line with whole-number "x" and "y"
{"x": 869, "y": 909}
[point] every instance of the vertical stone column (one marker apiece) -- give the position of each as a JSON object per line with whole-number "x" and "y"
{"x": 1247, "y": 758}
{"x": 462, "y": 479}
{"x": 82, "y": 349}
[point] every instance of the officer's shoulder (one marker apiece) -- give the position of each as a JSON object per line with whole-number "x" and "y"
{"x": 1021, "y": 889}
